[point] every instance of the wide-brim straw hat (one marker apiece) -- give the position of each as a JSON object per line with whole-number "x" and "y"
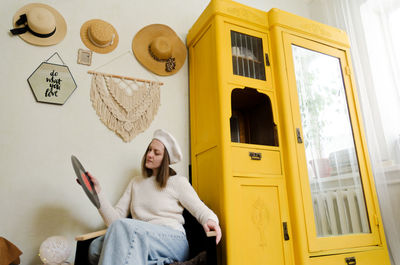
{"x": 45, "y": 25}
{"x": 99, "y": 36}
{"x": 158, "y": 48}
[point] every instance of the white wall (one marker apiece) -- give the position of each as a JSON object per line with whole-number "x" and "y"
{"x": 38, "y": 193}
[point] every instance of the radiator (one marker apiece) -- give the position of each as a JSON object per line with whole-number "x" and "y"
{"x": 340, "y": 212}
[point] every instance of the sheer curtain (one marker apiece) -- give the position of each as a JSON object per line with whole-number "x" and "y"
{"x": 372, "y": 27}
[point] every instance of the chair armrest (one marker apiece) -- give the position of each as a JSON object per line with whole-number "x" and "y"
{"x": 90, "y": 235}
{"x": 103, "y": 232}
{"x": 211, "y": 234}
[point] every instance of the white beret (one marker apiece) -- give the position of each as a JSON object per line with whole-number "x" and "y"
{"x": 172, "y": 146}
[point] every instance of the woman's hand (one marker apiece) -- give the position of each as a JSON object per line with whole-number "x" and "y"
{"x": 95, "y": 182}
{"x": 211, "y": 225}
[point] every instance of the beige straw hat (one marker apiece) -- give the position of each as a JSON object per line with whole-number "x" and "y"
{"x": 39, "y": 24}
{"x": 99, "y": 36}
{"x": 159, "y": 49}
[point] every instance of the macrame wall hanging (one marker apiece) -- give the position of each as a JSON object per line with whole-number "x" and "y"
{"x": 125, "y": 105}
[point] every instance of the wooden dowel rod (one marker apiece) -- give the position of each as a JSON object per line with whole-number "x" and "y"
{"x": 125, "y": 77}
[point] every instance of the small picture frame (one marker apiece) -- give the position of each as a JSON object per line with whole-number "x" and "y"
{"x": 84, "y": 57}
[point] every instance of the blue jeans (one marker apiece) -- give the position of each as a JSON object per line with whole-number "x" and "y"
{"x": 133, "y": 242}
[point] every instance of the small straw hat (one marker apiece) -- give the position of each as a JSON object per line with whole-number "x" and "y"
{"x": 99, "y": 36}
{"x": 158, "y": 48}
{"x": 39, "y": 24}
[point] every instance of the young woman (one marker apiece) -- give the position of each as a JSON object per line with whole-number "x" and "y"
{"x": 155, "y": 200}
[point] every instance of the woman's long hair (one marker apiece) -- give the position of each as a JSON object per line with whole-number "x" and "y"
{"x": 164, "y": 171}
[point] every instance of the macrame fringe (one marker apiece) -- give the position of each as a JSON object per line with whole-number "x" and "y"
{"x": 127, "y": 110}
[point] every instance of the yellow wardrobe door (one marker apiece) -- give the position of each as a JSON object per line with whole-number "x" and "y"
{"x": 261, "y": 223}
{"x": 334, "y": 175}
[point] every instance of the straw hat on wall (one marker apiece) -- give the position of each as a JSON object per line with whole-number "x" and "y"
{"x": 99, "y": 36}
{"x": 159, "y": 49}
{"x": 39, "y": 24}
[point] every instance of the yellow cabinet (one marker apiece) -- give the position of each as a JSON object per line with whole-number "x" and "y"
{"x": 277, "y": 148}
{"x": 236, "y": 158}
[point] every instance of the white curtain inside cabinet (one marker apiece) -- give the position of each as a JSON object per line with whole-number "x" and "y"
{"x": 372, "y": 27}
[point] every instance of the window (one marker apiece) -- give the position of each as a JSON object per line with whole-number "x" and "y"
{"x": 380, "y": 22}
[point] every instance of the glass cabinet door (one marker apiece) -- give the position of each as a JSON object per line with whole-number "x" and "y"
{"x": 247, "y": 55}
{"x": 328, "y": 138}
{"x": 246, "y": 61}
{"x": 332, "y": 164}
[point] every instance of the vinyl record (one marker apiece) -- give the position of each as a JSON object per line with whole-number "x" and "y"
{"x": 85, "y": 181}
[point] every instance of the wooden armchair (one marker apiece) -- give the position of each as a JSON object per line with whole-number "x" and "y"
{"x": 199, "y": 241}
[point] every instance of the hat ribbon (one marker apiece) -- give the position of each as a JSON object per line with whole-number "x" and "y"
{"x": 23, "y": 20}
{"x": 98, "y": 45}
{"x": 169, "y": 63}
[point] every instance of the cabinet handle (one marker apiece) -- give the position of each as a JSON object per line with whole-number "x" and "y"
{"x": 267, "y": 60}
{"x": 255, "y": 156}
{"x": 299, "y": 140}
{"x": 351, "y": 261}
{"x": 285, "y": 231}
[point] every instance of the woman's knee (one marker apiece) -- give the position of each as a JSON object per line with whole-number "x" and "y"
{"x": 125, "y": 227}
{"x": 118, "y": 224}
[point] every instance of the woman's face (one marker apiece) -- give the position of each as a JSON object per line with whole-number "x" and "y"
{"x": 154, "y": 155}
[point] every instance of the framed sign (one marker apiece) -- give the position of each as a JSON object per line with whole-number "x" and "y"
{"x": 52, "y": 83}
{"x": 84, "y": 57}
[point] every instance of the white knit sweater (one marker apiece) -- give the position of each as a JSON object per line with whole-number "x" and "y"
{"x": 146, "y": 201}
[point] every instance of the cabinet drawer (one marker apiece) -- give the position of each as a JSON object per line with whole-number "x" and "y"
{"x": 372, "y": 257}
{"x": 247, "y": 161}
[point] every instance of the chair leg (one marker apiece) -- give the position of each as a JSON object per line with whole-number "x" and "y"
{"x": 81, "y": 254}
{"x": 211, "y": 249}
